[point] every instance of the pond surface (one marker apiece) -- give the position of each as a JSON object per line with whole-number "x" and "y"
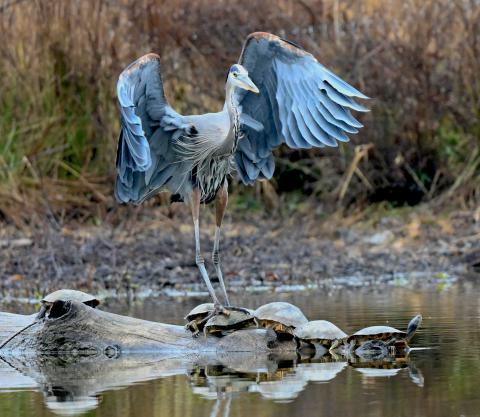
{"x": 440, "y": 378}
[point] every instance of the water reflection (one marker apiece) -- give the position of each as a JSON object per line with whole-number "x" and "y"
{"x": 65, "y": 405}
{"x": 440, "y": 382}
{"x": 222, "y": 404}
{"x": 72, "y": 385}
{"x": 387, "y": 368}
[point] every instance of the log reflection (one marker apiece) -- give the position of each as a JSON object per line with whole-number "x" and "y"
{"x": 73, "y": 385}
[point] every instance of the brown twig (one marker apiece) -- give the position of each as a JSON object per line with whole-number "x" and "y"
{"x": 361, "y": 151}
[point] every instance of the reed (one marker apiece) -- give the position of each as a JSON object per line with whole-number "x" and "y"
{"x": 59, "y": 62}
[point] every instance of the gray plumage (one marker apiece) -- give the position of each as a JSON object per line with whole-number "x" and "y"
{"x": 277, "y": 93}
{"x": 300, "y": 103}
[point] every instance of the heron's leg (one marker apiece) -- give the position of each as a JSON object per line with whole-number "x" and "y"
{"x": 221, "y": 200}
{"x": 195, "y": 206}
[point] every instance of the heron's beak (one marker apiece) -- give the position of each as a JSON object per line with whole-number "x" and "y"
{"x": 248, "y": 84}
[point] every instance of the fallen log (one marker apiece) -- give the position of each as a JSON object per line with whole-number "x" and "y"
{"x": 77, "y": 352}
{"x": 76, "y": 329}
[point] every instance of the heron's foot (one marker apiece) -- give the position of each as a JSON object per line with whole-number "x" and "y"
{"x": 240, "y": 309}
{"x": 200, "y": 325}
{"x": 196, "y": 326}
{"x": 220, "y": 309}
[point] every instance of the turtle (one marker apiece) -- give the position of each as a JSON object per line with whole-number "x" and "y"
{"x": 286, "y": 388}
{"x": 281, "y": 317}
{"x": 320, "y": 371}
{"x": 219, "y": 324}
{"x": 48, "y": 302}
{"x": 66, "y": 295}
{"x": 372, "y": 350}
{"x": 195, "y": 319}
{"x": 378, "y": 368}
{"x": 321, "y": 332}
{"x": 393, "y": 338}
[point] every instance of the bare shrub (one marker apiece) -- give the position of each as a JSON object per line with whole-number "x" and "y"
{"x": 59, "y": 61}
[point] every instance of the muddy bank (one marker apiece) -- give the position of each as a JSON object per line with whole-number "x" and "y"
{"x": 155, "y": 253}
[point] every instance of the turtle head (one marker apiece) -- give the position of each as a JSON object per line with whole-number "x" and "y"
{"x": 413, "y": 326}
{"x": 43, "y": 311}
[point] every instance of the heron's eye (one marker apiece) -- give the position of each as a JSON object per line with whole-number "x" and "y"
{"x": 235, "y": 74}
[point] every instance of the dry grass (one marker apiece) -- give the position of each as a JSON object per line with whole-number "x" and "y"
{"x": 59, "y": 62}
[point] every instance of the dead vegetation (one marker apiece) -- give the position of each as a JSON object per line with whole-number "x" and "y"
{"x": 59, "y": 61}
{"x": 147, "y": 253}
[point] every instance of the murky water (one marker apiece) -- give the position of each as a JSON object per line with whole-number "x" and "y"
{"x": 443, "y": 380}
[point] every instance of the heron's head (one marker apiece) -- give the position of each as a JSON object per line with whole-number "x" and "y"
{"x": 238, "y": 76}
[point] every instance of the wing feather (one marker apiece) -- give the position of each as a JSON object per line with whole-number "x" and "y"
{"x": 307, "y": 140}
{"x": 340, "y": 85}
{"x": 251, "y": 168}
{"x": 301, "y": 103}
{"x": 313, "y": 120}
{"x": 341, "y": 99}
{"x": 268, "y": 167}
{"x": 145, "y": 159}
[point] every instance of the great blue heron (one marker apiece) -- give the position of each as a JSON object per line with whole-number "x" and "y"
{"x": 276, "y": 93}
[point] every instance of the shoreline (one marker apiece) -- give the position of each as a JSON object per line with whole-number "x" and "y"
{"x": 153, "y": 256}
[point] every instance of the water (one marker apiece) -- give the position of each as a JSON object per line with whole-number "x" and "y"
{"x": 442, "y": 380}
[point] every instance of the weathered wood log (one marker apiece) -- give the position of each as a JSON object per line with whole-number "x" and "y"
{"x": 73, "y": 382}
{"x": 83, "y": 351}
{"x": 81, "y": 330}
{"x": 13, "y": 323}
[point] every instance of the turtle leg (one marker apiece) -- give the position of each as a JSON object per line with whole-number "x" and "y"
{"x": 335, "y": 356}
{"x": 349, "y": 349}
{"x": 195, "y": 207}
{"x": 221, "y": 200}
{"x": 333, "y": 346}
{"x": 193, "y": 327}
{"x": 390, "y": 346}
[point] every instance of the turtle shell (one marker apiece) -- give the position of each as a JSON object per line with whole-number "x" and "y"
{"x": 200, "y": 311}
{"x": 377, "y": 333}
{"x": 71, "y": 295}
{"x": 223, "y": 322}
{"x": 280, "y": 312}
{"x": 387, "y": 333}
{"x": 319, "y": 330}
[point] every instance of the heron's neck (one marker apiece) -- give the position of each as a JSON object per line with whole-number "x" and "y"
{"x": 231, "y": 107}
{"x": 231, "y": 104}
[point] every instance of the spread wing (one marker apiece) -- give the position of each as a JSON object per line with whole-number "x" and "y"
{"x": 146, "y": 161}
{"x": 300, "y": 103}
